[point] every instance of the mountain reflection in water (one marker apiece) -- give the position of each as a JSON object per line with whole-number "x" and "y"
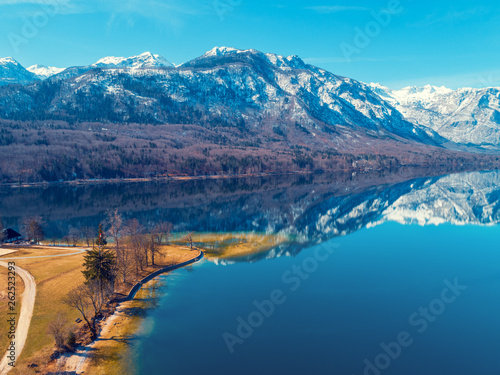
{"x": 308, "y": 208}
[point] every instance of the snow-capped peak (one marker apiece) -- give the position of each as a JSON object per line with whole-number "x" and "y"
{"x": 144, "y": 60}
{"x": 379, "y": 86}
{"x": 424, "y": 91}
{"x": 279, "y": 61}
{"x": 222, "y": 51}
{"x": 8, "y": 60}
{"x": 413, "y": 93}
{"x": 44, "y": 71}
{"x": 11, "y": 72}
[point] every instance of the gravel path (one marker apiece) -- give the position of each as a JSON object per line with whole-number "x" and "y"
{"x": 23, "y": 324}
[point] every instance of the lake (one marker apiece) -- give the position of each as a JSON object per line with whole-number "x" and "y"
{"x": 384, "y": 273}
{"x": 334, "y": 318}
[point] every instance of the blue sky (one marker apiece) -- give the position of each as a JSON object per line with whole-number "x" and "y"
{"x": 452, "y": 43}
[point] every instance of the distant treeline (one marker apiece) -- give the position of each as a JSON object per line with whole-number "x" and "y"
{"x": 55, "y": 150}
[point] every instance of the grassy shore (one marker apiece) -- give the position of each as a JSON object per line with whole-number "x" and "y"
{"x": 111, "y": 354}
{"x": 34, "y": 251}
{"x": 55, "y": 277}
{"x": 235, "y": 245}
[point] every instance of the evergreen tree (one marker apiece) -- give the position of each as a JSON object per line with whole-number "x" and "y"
{"x": 100, "y": 263}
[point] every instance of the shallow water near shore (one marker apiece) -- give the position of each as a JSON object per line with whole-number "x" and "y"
{"x": 364, "y": 294}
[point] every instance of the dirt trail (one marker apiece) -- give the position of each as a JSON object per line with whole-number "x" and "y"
{"x": 6, "y": 251}
{"x": 23, "y": 324}
{"x": 76, "y": 251}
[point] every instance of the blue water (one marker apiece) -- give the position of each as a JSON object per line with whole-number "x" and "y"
{"x": 362, "y": 295}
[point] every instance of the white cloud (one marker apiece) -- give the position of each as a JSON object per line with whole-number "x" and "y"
{"x": 325, "y": 9}
{"x": 128, "y": 11}
{"x": 20, "y": 2}
{"x": 142, "y": 7}
{"x": 451, "y": 16}
{"x": 170, "y": 12}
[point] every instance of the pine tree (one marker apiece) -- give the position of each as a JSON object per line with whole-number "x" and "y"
{"x": 100, "y": 263}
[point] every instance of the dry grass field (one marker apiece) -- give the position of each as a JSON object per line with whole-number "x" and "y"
{"x": 55, "y": 277}
{"x": 40, "y": 251}
{"x": 235, "y": 245}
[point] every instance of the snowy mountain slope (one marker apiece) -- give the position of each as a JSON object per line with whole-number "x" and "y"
{"x": 231, "y": 86}
{"x": 467, "y": 115}
{"x": 248, "y": 86}
{"x": 43, "y": 71}
{"x": 11, "y": 72}
{"x": 144, "y": 60}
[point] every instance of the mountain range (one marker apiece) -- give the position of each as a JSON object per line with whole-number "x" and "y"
{"x": 250, "y": 100}
{"x": 466, "y": 115}
{"x": 224, "y": 85}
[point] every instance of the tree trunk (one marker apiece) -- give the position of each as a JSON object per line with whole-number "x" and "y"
{"x": 153, "y": 250}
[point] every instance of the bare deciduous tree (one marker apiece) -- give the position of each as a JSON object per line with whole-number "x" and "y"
{"x": 98, "y": 294}
{"x": 87, "y": 233}
{"x": 74, "y": 234}
{"x": 137, "y": 244}
{"x": 162, "y": 231}
{"x": 159, "y": 235}
{"x": 154, "y": 247}
{"x": 79, "y": 300}
{"x": 58, "y": 329}
{"x": 67, "y": 240}
{"x": 125, "y": 260}
{"x": 115, "y": 222}
{"x": 116, "y": 229}
{"x": 33, "y": 229}
{"x": 95, "y": 296}
{"x": 189, "y": 238}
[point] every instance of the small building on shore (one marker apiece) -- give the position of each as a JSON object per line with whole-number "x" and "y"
{"x": 10, "y": 236}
